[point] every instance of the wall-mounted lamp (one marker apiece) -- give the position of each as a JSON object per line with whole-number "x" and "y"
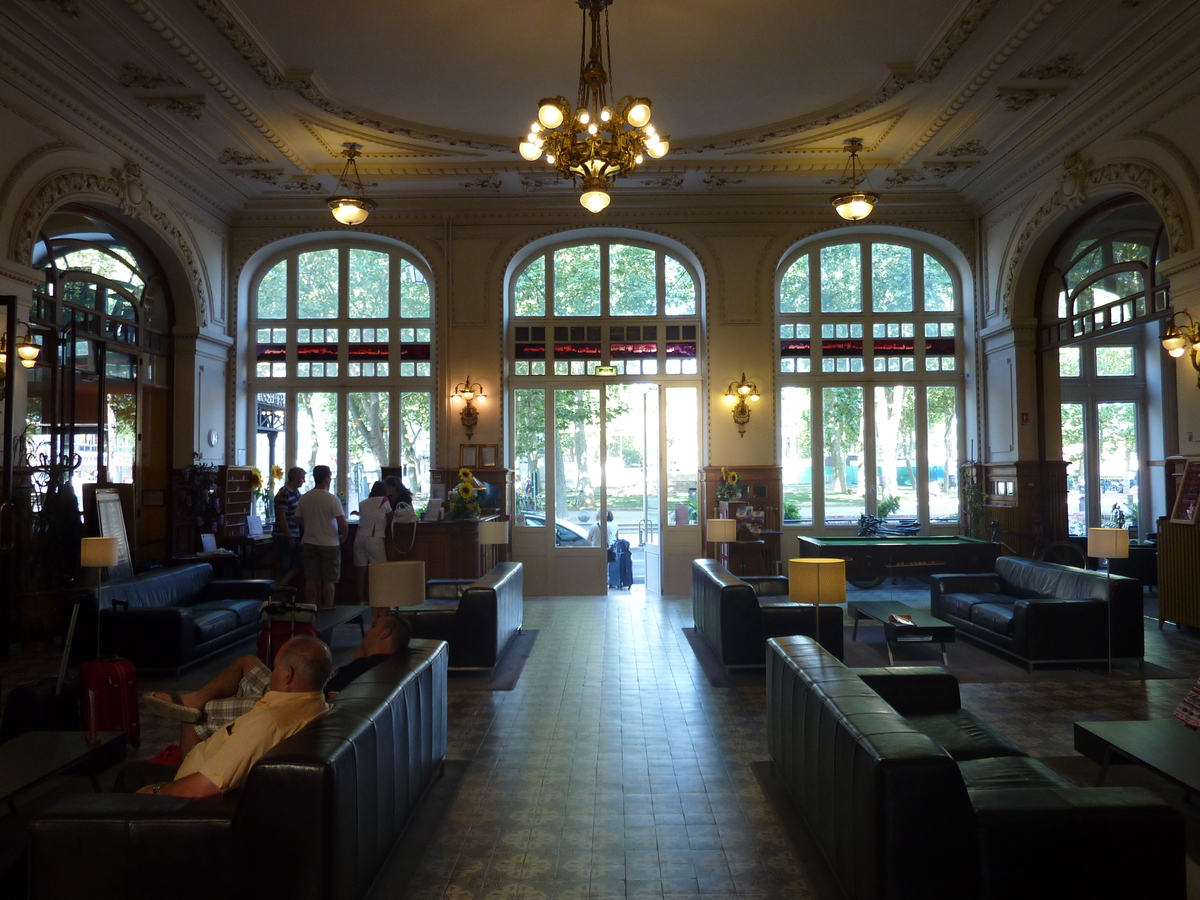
{"x": 737, "y": 394}
{"x": 1178, "y": 337}
{"x": 465, "y": 392}
{"x": 27, "y": 351}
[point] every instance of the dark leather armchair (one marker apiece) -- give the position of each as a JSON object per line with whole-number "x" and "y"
{"x": 315, "y": 821}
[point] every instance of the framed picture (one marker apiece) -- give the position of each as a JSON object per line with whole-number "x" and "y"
{"x": 489, "y": 455}
{"x": 1187, "y": 497}
{"x": 468, "y": 455}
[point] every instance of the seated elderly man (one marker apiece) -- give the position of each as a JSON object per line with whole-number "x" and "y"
{"x": 222, "y": 762}
{"x": 241, "y": 684}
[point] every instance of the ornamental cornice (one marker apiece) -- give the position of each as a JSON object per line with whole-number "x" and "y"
{"x": 1079, "y": 180}
{"x": 122, "y": 188}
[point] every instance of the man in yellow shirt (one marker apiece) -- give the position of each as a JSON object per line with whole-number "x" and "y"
{"x": 294, "y": 697}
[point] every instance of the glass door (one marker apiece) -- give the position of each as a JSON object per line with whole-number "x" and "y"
{"x": 632, "y": 492}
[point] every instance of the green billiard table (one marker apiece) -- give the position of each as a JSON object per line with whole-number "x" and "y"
{"x": 869, "y": 560}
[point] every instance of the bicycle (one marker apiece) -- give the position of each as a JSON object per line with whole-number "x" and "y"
{"x": 1063, "y": 553}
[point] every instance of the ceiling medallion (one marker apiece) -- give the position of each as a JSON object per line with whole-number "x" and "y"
{"x": 573, "y": 138}
{"x": 854, "y": 204}
{"x": 348, "y": 204}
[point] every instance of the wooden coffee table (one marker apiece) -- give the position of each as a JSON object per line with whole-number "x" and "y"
{"x": 36, "y": 755}
{"x": 1166, "y": 746}
{"x": 925, "y": 628}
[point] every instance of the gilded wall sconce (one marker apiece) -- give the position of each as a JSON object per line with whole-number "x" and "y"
{"x": 737, "y": 394}
{"x": 465, "y": 392}
{"x": 1178, "y": 338}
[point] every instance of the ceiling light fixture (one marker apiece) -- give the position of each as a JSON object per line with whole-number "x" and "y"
{"x": 594, "y": 142}
{"x": 1178, "y": 337}
{"x": 348, "y": 205}
{"x": 854, "y": 204}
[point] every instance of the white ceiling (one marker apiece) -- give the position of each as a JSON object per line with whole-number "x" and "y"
{"x": 259, "y": 95}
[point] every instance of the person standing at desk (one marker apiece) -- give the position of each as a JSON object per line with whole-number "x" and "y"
{"x": 374, "y": 515}
{"x": 323, "y": 523}
{"x": 285, "y": 536}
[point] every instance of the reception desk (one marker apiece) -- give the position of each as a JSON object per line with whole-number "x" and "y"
{"x": 449, "y": 549}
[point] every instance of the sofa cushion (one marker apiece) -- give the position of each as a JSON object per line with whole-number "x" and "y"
{"x": 212, "y": 623}
{"x": 1009, "y": 772}
{"x": 959, "y": 604}
{"x": 994, "y": 617}
{"x": 964, "y": 736}
{"x": 179, "y": 586}
{"x": 247, "y": 611}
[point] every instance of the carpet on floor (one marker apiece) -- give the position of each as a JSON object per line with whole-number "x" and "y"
{"x": 505, "y": 676}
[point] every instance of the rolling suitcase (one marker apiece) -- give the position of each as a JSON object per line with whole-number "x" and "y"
{"x": 620, "y": 565}
{"x": 108, "y": 691}
{"x": 283, "y": 619}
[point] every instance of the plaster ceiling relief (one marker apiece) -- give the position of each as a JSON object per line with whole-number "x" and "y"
{"x": 235, "y": 157}
{"x": 374, "y": 146}
{"x": 133, "y": 75}
{"x": 187, "y": 107}
{"x": 1064, "y": 66}
{"x": 966, "y": 148}
{"x": 831, "y": 141}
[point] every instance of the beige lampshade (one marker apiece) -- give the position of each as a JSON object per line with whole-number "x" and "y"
{"x": 493, "y": 531}
{"x": 396, "y": 583}
{"x": 97, "y": 552}
{"x": 1108, "y": 543}
{"x": 722, "y": 531}
{"x": 817, "y": 581}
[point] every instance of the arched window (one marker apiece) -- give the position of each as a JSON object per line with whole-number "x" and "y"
{"x": 870, "y": 381}
{"x": 342, "y": 365}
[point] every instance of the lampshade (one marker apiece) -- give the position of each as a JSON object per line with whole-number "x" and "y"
{"x": 1108, "y": 543}
{"x": 396, "y": 583}
{"x": 96, "y": 552}
{"x": 493, "y": 531}
{"x": 817, "y": 581}
{"x": 722, "y": 531}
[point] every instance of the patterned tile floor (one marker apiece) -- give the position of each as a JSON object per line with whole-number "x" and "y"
{"x": 614, "y": 769}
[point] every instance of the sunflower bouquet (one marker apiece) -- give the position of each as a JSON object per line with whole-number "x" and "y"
{"x": 729, "y": 488}
{"x": 463, "y": 502}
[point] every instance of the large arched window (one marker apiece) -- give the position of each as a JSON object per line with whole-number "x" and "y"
{"x": 869, "y": 381}
{"x": 342, "y": 364}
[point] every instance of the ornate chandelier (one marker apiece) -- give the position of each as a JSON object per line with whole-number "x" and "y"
{"x": 594, "y": 141}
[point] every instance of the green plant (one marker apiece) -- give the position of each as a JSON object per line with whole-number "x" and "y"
{"x": 200, "y": 501}
{"x": 791, "y": 511}
{"x": 974, "y": 499}
{"x": 887, "y": 505}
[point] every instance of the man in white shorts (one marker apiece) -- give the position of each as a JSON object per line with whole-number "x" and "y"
{"x": 323, "y": 522}
{"x": 374, "y": 514}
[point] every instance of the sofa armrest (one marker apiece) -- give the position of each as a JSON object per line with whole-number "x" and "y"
{"x": 239, "y": 589}
{"x": 1095, "y": 842}
{"x": 446, "y": 588}
{"x": 914, "y": 690}
{"x": 129, "y": 846}
{"x": 768, "y": 585}
{"x": 1054, "y": 628}
{"x": 150, "y": 636}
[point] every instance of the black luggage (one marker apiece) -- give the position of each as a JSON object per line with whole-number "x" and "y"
{"x": 620, "y": 565}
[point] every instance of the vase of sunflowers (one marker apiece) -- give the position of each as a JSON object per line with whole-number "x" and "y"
{"x": 463, "y": 502}
{"x": 729, "y": 488}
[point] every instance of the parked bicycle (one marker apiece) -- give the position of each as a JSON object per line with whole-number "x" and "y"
{"x": 869, "y": 526}
{"x": 1064, "y": 553}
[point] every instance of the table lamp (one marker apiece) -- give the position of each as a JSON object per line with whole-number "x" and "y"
{"x": 394, "y": 584}
{"x": 493, "y": 531}
{"x": 722, "y": 531}
{"x": 1106, "y": 544}
{"x": 817, "y": 581}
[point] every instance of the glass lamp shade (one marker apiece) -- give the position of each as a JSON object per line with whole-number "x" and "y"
{"x": 351, "y": 210}
{"x": 530, "y": 151}
{"x": 1177, "y": 352}
{"x": 493, "y": 531}
{"x": 658, "y": 149}
{"x": 817, "y": 581}
{"x": 550, "y": 114}
{"x": 722, "y": 531}
{"x": 1173, "y": 343}
{"x": 396, "y": 583}
{"x": 639, "y": 113}
{"x": 594, "y": 201}
{"x": 97, "y": 552}
{"x": 28, "y": 352}
{"x": 855, "y": 205}
{"x": 1108, "y": 543}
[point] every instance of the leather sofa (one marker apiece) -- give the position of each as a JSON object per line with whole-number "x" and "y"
{"x": 737, "y": 615}
{"x": 478, "y": 619}
{"x": 316, "y": 819}
{"x": 909, "y": 797}
{"x": 1040, "y": 612}
{"x": 175, "y": 617}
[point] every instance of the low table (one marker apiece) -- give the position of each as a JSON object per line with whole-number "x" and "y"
{"x": 1166, "y": 746}
{"x": 925, "y": 628}
{"x": 37, "y": 755}
{"x": 329, "y": 619}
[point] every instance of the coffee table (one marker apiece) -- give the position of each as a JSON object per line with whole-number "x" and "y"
{"x": 925, "y": 628}
{"x": 36, "y": 755}
{"x": 1166, "y": 746}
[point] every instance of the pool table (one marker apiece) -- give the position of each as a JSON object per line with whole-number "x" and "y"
{"x": 869, "y": 560}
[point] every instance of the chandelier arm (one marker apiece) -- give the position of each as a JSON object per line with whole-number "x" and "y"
{"x": 608, "y": 45}
{"x": 583, "y": 44}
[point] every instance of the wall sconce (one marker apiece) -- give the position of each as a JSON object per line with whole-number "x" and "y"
{"x": 1178, "y": 337}
{"x": 465, "y": 392}
{"x": 737, "y": 394}
{"x": 27, "y": 351}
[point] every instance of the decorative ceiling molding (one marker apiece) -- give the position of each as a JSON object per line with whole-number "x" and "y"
{"x": 123, "y": 188}
{"x": 1017, "y": 99}
{"x": 266, "y": 176}
{"x": 952, "y": 109}
{"x": 904, "y": 176}
{"x": 811, "y": 144}
{"x": 967, "y": 148}
{"x": 303, "y": 183}
{"x": 233, "y": 32}
{"x": 398, "y": 148}
{"x": 157, "y": 25}
{"x": 1077, "y": 182}
{"x": 667, "y": 182}
{"x": 1065, "y": 66}
{"x": 133, "y": 75}
{"x": 944, "y": 168}
{"x": 188, "y": 107}
{"x": 66, "y": 7}
{"x": 233, "y": 156}
{"x": 712, "y": 182}
{"x": 486, "y": 184}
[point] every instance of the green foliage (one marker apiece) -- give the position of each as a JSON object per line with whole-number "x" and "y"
{"x": 632, "y": 281}
{"x": 791, "y": 511}
{"x": 463, "y": 502}
{"x": 887, "y": 506}
{"x": 843, "y": 413}
{"x": 794, "y": 288}
{"x": 577, "y": 280}
{"x": 891, "y": 278}
{"x": 939, "y": 288}
{"x": 680, "y": 288}
{"x": 841, "y": 278}
{"x": 530, "y": 291}
{"x": 317, "y": 284}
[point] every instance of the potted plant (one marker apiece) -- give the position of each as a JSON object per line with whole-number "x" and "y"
{"x": 201, "y": 505}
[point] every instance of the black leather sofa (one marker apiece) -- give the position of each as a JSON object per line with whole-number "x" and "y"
{"x": 1043, "y": 613}
{"x": 176, "y": 617}
{"x": 737, "y": 615}
{"x": 478, "y": 619}
{"x": 318, "y": 815}
{"x": 910, "y": 797}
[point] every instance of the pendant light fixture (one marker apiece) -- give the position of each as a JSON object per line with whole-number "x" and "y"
{"x": 348, "y": 205}
{"x": 594, "y": 141}
{"x": 854, "y": 204}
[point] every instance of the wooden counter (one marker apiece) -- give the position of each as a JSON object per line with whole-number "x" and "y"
{"x": 449, "y": 549}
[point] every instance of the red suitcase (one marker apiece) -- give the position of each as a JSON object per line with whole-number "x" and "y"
{"x": 108, "y": 688}
{"x": 283, "y": 619}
